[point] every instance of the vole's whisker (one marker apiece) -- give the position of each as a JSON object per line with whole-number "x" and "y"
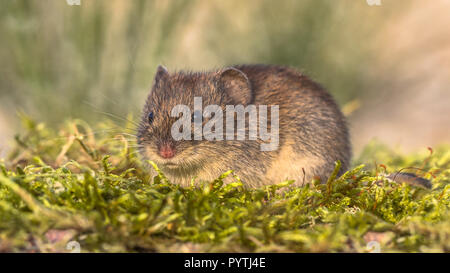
{"x": 136, "y": 146}
{"x": 111, "y": 114}
{"x": 121, "y": 138}
{"x": 118, "y": 139}
{"x": 92, "y": 133}
{"x": 133, "y": 153}
{"x": 131, "y": 135}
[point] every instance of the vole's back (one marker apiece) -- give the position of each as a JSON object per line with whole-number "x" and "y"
{"x": 313, "y": 132}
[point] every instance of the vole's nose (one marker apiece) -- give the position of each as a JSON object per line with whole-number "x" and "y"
{"x": 167, "y": 151}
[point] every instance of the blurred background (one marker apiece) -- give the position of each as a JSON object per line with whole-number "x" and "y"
{"x": 388, "y": 66}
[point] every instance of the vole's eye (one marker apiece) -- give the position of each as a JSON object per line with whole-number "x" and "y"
{"x": 196, "y": 115}
{"x": 150, "y": 117}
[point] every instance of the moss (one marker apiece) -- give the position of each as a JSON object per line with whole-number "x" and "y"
{"x": 89, "y": 186}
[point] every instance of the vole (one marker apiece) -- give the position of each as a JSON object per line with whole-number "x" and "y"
{"x": 312, "y": 132}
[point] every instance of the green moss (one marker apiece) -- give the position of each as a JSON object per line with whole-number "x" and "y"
{"x": 90, "y": 186}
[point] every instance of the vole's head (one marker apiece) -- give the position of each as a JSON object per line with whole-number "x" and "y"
{"x": 228, "y": 86}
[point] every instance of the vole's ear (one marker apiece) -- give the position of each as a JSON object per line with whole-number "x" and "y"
{"x": 161, "y": 73}
{"x": 236, "y": 84}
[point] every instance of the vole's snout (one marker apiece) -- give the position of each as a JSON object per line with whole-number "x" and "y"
{"x": 167, "y": 150}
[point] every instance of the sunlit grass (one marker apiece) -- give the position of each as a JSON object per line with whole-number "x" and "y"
{"x": 88, "y": 185}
